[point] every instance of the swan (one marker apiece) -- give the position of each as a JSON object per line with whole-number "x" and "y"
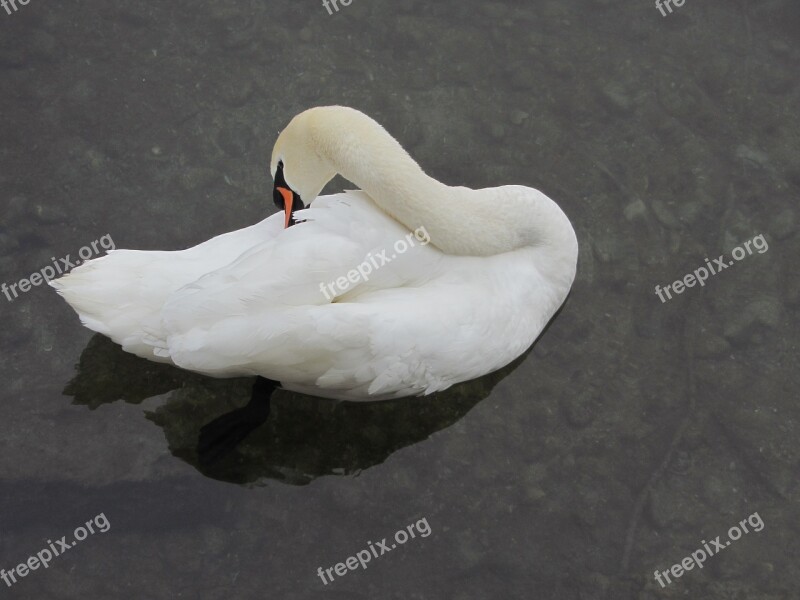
{"x": 478, "y": 275}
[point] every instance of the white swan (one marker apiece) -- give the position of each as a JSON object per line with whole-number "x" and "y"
{"x": 259, "y": 301}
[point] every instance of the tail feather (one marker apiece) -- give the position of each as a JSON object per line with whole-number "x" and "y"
{"x": 121, "y": 295}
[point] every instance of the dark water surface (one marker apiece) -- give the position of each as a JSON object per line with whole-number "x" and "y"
{"x": 634, "y": 432}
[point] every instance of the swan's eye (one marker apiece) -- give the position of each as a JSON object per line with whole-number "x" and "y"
{"x": 279, "y": 177}
{"x": 280, "y": 182}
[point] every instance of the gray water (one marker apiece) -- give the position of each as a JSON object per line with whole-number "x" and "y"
{"x": 633, "y": 433}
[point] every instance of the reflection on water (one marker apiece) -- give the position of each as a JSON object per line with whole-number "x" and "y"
{"x": 667, "y": 140}
{"x": 303, "y": 438}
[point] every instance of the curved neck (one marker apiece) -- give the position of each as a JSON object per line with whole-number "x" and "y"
{"x": 458, "y": 220}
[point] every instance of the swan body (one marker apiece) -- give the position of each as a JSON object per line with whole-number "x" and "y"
{"x": 461, "y": 281}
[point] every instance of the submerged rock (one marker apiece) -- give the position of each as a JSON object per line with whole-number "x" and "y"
{"x": 784, "y": 224}
{"x": 765, "y": 311}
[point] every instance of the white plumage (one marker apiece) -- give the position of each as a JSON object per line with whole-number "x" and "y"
{"x": 255, "y": 301}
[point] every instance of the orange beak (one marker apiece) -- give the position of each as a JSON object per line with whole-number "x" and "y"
{"x": 288, "y": 201}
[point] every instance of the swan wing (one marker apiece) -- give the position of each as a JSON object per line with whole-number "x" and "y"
{"x": 277, "y": 310}
{"x": 122, "y": 294}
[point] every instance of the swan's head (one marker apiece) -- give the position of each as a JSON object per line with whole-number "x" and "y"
{"x": 298, "y": 170}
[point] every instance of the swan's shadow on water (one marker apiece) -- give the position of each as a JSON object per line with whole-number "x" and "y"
{"x": 303, "y": 437}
